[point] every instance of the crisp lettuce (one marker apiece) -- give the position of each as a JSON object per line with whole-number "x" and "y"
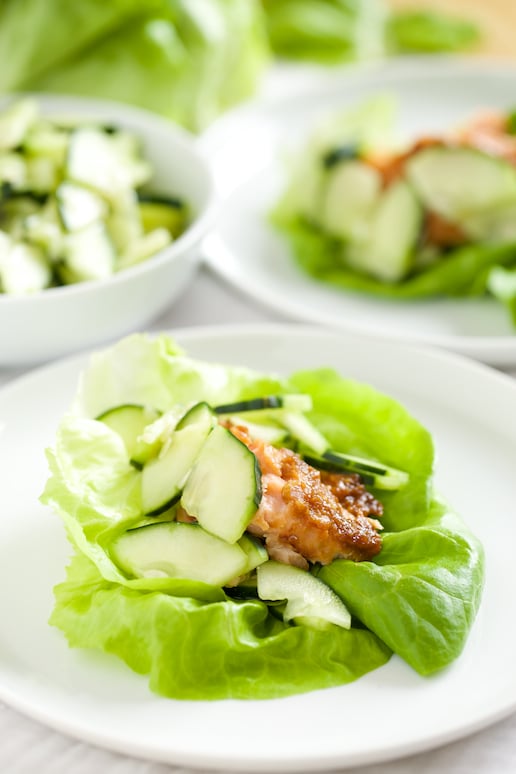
{"x": 326, "y": 31}
{"x": 462, "y": 272}
{"x": 418, "y": 597}
{"x": 185, "y": 59}
{"x": 429, "y": 31}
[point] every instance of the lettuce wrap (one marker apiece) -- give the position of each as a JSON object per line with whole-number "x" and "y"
{"x": 418, "y": 598}
{"x": 380, "y": 245}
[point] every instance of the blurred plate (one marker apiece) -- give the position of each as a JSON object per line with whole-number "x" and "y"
{"x": 248, "y": 149}
{"x": 388, "y": 713}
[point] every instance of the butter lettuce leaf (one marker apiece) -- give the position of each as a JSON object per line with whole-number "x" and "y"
{"x": 462, "y": 271}
{"x": 418, "y": 598}
{"x": 196, "y": 650}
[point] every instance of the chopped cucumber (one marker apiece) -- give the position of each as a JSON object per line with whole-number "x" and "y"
{"x": 129, "y": 421}
{"x": 160, "y": 212}
{"x": 78, "y": 206}
{"x": 123, "y": 221}
{"x": 303, "y": 431}
{"x": 145, "y": 246}
{"x": 223, "y": 491}
{"x": 349, "y": 200}
{"x": 97, "y": 160}
{"x": 13, "y": 170}
{"x": 290, "y": 402}
{"x": 15, "y": 122}
{"x": 388, "y": 250}
{"x": 24, "y": 269}
{"x": 309, "y": 600}
{"x": 164, "y": 477}
{"x": 45, "y": 139}
{"x": 461, "y": 182}
{"x": 155, "y": 436}
{"x": 272, "y": 434}
{"x": 88, "y": 254}
{"x": 176, "y": 550}
{"x": 374, "y": 473}
{"x": 255, "y": 551}
{"x": 44, "y": 229}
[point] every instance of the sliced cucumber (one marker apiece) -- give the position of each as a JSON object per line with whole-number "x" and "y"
{"x": 461, "y": 182}
{"x": 144, "y": 247}
{"x": 303, "y": 431}
{"x": 199, "y": 412}
{"x": 374, "y": 473}
{"x": 349, "y": 200}
{"x": 388, "y": 250}
{"x": 78, "y": 206}
{"x": 98, "y": 160}
{"x": 290, "y": 402}
{"x": 15, "y": 121}
{"x": 155, "y": 436}
{"x": 24, "y": 269}
{"x": 255, "y": 551}
{"x": 223, "y": 491}
{"x": 13, "y": 170}
{"x": 47, "y": 140}
{"x": 129, "y": 421}
{"x": 335, "y": 156}
{"x": 161, "y": 212}
{"x": 176, "y": 550}
{"x": 42, "y": 175}
{"x": 309, "y": 600}
{"x": 44, "y": 229}
{"x": 164, "y": 477}
{"x": 245, "y": 589}
{"x": 272, "y": 434}
{"x": 88, "y": 254}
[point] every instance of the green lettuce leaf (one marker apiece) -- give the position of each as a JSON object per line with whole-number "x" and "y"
{"x": 422, "y": 577}
{"x": 326, "y": 31}
{"x": 155, "y": 623}
{"x": 428, "y": 31}
{"x": 185, "y": 59}
{"x": 462, "y": 272}
{"x": 194, "y": 650}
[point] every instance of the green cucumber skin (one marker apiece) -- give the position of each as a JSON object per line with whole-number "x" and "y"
{"x": 162, "y": 508}
{"x": 256, "y": 404}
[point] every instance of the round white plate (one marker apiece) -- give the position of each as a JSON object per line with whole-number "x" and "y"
{"x": 389, "y": 712}
{"x": 248, "y": 150}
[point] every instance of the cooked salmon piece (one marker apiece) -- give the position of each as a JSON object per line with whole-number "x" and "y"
{"x": 308, "y": 516}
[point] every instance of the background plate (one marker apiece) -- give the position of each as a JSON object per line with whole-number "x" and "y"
{"x": 389, "y": 712}
{"x": 248, "y": 150}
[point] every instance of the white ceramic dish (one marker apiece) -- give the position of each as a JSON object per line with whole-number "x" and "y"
{"x": 389, "y": 712}
{"x": 248, "y": 150}
{"x": 70, "y": 318}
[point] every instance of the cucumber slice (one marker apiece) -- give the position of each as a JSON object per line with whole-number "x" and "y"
{"x": 164, "y": 477}
{"x": 15, "y": 122}
{"x": 290, "y": 402}
{"x": 374, "y": 473}
{"x": 88, "y": 254}
{"x": 255, "y": 551}
{"x": 176, "y": 550}
{"x": 304, "y": 432}
{"x": 223, "y": 490}
{"x": 129, "y": 421}
{"x": 44, "y": 229}
{"x": 99, "y": 161}
{"x": 144, "y": 247}
{"x": 78, "y": 206}
{"x": 246, "y": 589}
{"x": 155, "y": 436}
{"x": 388, "y": 251}
{"x": 460, "y": 182}
{"x": 349, "y": 200}
{"x": 160, "y": 212}
{"x": 13, "y": 170}
{"x": 24, "y": 269}
{"x": 272, "y": 434}
{"x": 309, "y": 600}
{"x": 46, "y": 140}
{"x": 42, "y": 175}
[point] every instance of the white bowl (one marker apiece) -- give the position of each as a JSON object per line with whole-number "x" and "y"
{"x": 63, "y": 319}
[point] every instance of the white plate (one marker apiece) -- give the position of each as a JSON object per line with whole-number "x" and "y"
{"x": 389, "y": 712}
{"x": 248, "y": 150}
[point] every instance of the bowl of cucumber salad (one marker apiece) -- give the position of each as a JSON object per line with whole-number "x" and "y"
{"x": 102, "y": 208}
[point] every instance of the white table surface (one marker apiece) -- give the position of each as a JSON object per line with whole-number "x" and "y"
{"x": 27, "y": 747}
